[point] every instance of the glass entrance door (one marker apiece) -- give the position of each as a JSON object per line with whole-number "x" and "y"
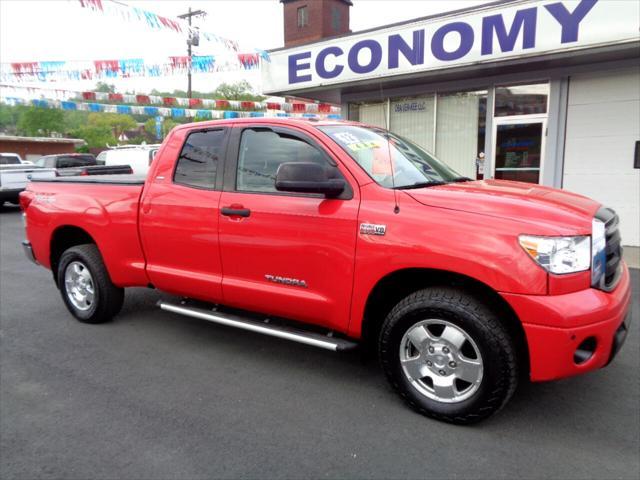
{"x": 519, "y": 149}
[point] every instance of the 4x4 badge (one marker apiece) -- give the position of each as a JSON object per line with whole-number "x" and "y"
{"x": 372, "y": 229}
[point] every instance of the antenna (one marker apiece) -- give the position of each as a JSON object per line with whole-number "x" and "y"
{"x": 396, "y": 208}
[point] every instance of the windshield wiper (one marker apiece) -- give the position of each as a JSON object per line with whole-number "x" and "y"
{"x": 432, "y": 183}
{"x": 462, "y": 179}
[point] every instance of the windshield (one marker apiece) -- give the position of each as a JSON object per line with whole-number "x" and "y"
{"x": 411, "y": 166}
{"x": 40, "y": 162}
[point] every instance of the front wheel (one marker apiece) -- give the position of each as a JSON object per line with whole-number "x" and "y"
{"x": 85, "y": 286}
{"x": 448, "y": 355}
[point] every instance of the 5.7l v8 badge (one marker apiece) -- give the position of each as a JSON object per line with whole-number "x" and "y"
{"x": 372, "y": 229}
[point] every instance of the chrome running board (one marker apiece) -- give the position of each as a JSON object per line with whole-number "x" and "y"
{"x": 300, "y": 336}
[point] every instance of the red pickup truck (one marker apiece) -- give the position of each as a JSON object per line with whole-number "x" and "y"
{"x": 335, "y": 234}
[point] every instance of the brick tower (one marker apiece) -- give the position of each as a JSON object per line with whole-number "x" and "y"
{"x": 311, "y": 20}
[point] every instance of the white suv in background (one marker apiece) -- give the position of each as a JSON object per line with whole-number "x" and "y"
{"x": 138, "y": 157}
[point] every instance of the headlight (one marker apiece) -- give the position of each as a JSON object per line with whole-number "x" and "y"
{"x": 559, "y": 254}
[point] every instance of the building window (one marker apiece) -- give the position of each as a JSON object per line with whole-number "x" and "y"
{"x": 303, "y": 17}
{"x": 336, "y": 19}
{"x": 460, "y": 131}
{"x": 413, "y": 119}
{"x": 451, "y": 125}
{"x": 521, "y": 99}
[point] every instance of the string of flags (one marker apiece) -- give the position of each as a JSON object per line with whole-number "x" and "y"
{"x": 154, "y": 21}
{"x": 127, "y": 68}
{"x": 19, "y": 91}
{"x": 176, "y": 112}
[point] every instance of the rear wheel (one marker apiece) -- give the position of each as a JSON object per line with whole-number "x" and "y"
{"x": 448, "y": 355}
{"x": 86, "y": 287}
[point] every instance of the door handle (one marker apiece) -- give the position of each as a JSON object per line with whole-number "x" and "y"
{"x": 234, "y": 211}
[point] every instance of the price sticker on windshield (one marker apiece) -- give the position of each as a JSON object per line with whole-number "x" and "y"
{"x": 356, "y": 147}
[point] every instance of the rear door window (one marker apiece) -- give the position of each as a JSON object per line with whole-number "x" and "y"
{"x": 68, "y": 162}
{"x": 199, "y": 159}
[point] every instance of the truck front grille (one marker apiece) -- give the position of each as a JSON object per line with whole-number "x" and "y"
{"x": 613, "y": 249}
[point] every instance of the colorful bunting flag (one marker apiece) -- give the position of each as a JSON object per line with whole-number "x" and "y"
{"x": 194, "y": 103}
{"x": 126, "y": 68}
{"x": 147, "y": 110}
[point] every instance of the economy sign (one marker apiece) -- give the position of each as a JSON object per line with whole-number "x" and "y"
{"x": 488, "y": 34}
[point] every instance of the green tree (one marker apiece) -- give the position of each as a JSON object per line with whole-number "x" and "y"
{"x": 95, "y": 136}
{"x": 74, "y": 120}
{"x": 36, "y": 121}
{"x": 241, "y": 90}
{"x": 9, "y": 116}
{"x": 167, "y": 125}
{"x": 117, "y": 122}
{"x": 105, "y": 87}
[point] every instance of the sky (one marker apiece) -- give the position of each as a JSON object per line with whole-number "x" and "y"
{"x": 49, "y": 30}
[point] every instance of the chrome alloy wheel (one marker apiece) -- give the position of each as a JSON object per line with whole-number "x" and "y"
{"x": 441, "y": 361}
{"x": 79, "y": 285}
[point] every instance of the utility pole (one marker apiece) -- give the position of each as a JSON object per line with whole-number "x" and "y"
{"x": 192, "y": 39}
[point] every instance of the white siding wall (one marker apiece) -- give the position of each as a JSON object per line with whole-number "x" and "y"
{"x": 603, "y": 124}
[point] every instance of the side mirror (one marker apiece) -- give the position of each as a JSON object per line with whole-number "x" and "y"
{"x": 309, "y": 177}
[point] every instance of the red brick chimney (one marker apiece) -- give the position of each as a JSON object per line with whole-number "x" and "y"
{"x": 311, "y": 20}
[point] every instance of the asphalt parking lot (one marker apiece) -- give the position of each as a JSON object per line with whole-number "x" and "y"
{"x": 155, "y": 395}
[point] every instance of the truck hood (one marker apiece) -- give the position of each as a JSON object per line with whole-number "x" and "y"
{"x": 552, "y": 210}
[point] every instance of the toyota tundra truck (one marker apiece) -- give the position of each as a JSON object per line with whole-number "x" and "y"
{"x": 338, "y": 234}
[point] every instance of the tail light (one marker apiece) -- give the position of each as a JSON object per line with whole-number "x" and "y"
{"x": 84, "y": 172}
{"x": 25, "y": 199}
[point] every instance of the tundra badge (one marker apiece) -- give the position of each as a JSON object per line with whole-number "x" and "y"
{"x": 286, "y": 281}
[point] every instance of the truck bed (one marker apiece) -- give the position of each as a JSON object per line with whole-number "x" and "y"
{"x": 103, "y": 206}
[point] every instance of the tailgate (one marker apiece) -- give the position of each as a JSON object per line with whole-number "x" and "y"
{"x": 18, "y": 179}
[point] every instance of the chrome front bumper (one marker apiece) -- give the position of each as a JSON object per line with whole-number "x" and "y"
{"x": 28, "y": 251}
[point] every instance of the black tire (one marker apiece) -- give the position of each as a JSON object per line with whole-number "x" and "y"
{"x": 108, "y": 298}
{"x": 499, "y": 376}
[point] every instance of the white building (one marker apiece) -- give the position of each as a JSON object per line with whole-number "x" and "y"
{"x": 548, "y": 90}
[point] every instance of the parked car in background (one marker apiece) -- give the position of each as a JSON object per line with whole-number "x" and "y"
{"x": 12, "y": 159}
{"x": 15, "y": 174}
{"x": 139, "y": 157}
{"x": 66, "y": 160}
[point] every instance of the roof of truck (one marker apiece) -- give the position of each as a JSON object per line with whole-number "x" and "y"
{"x": 299, "y": 121}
